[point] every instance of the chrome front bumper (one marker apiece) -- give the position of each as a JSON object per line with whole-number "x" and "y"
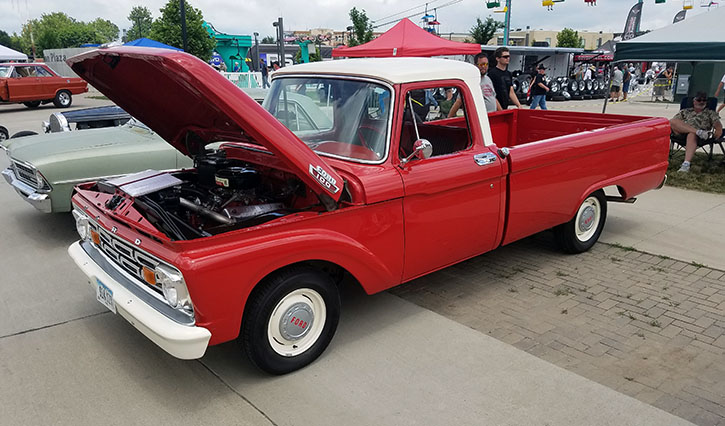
{"x": 175, "y": 334}
{"x": 40, "y": 201}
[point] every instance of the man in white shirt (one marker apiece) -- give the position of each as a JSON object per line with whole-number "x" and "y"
{"x": 489, "y": 93}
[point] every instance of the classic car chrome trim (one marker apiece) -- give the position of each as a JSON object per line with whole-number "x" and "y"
{"x": 40, "y": 201}
{"x": 137, "y": 289}
{"x": 366, "y": 79}
{"x": 484, "y": 158}
{"x": 21, "y": 167}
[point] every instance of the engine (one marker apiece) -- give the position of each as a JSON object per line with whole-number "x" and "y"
{"x": 221, "y": 195}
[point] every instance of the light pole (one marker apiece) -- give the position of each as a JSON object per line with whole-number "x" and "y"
{"x": 182, "y": 8}
{"x": 280, "y": 41}
{"x": 256, "y": 52}
{"x": 507, "y": 23}
{"x": 349, "y": 35}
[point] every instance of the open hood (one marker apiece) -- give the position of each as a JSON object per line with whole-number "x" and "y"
{"x": 189, "y": 104}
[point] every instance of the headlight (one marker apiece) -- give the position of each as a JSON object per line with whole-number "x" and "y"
{"x": 173, "y": 287}
{"x": 82, "y": 224}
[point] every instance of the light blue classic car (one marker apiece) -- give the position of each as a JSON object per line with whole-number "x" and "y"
{"x": 45, "y": 168}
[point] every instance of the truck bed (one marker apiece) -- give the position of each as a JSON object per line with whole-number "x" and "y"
{"x": 558, "y": 157}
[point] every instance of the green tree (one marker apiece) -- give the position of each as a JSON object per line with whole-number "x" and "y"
{"x": 483, "y": 31}
{"x": 57, "y": 31}
{"x": 105, "y": 30}
{"x": 362, "y": 29}
{"x": 568, "y": 38}
{"x": 141, "y": 21}
{"x": 268, "y": 40}
{"x": 167, "y": 29}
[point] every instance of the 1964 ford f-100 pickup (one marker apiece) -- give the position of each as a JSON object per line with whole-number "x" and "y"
{"x": 252, "y": 242}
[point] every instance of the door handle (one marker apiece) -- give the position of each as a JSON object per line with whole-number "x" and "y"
{"x": 484, "y": 159}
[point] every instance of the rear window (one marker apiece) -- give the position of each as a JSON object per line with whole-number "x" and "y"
{"x": 341, "y": 118}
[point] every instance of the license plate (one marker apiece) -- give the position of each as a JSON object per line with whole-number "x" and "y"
{"x": 105, "y": 296}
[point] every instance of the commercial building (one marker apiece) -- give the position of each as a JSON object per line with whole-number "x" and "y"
{"x": 592, "y": 39}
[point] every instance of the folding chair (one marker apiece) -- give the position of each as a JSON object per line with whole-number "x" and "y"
{"x": 680, "y": 143}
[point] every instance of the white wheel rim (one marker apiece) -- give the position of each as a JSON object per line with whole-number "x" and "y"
{"x": 587, "y": 219}
{"x": 64, "y": 98}
{"x": 296, "y": 322}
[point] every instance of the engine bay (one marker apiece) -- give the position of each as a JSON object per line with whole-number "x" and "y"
{"x": 221, "y": 195}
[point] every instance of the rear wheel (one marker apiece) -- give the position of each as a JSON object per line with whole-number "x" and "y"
{"x": 63, "y": 99}
{"x": 290, "y": 320}
{"x": 32, "y": 104}
{"x": 582, "y": 232}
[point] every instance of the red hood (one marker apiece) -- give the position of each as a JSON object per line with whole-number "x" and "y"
{"x": 177, "y": 95}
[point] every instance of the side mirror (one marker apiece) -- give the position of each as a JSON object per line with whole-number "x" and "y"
{"x": 422, "y": 149}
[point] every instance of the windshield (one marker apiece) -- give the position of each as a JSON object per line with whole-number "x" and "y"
{"x": 4, "y": 71}
{"x": 340, "y": 118}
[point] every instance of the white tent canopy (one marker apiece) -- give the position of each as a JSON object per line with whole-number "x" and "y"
{"x": 8, "y": 54}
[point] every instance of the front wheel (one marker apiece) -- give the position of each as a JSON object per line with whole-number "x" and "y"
{"x": 32, "y": 104}
{"x": 579, "y": 234}
{"x": 62, "y": 99}
{"x": 290, "y": 320}
{"x": 4, "y": 134}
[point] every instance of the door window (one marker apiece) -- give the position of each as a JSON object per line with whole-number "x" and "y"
{"x": 438, "y": 115}
{"x": 42, "y": 72}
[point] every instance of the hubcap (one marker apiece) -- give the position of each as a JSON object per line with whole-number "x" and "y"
{"x": 64, "y": 98}
{"x": 587, "y": 219}
{"x": 296, "y": 322}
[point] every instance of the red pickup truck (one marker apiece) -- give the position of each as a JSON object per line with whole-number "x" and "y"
{"x": 34, "y": 83}
{"x": 344, "y": 171}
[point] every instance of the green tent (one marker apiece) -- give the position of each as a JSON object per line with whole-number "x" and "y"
{"x": 699, "y": 38}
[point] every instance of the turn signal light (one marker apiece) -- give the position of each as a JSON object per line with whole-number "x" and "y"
{"x": 95, "y": 237}
{"x": 149, "y": 276}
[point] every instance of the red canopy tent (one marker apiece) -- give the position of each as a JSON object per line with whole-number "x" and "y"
{"x": 407, "y": 39}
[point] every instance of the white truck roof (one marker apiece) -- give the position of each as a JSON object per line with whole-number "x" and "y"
{"x": 393, "y": 70}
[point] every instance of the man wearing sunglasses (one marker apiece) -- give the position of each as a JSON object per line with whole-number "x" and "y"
{"x": 489, "y": 94}
{"x": 502, "y": 79}
{"x": 692, "y": 127}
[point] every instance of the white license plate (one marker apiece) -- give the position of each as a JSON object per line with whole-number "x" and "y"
{"x": 105, "y": 296}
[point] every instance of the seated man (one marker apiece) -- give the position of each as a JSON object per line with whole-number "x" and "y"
{"x": 693, "y": 126}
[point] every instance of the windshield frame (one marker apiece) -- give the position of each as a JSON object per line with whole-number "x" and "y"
{"x": 389, "y": 115}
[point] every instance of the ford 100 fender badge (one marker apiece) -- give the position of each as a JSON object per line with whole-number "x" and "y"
{"x": 324, "y": 178}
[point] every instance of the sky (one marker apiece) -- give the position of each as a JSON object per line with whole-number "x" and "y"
{"x": 248, "y": 16}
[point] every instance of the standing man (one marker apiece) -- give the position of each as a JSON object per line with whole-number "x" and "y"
{"x": 717, "y": 93}
{"x": 489, "y": 93}
{"x": 539, "y": 88}
{"x": 617, "y": 77}
{"x": 502, "y": 79}
{"x": 265, "y": 73}
{"x": 626, "y": 78}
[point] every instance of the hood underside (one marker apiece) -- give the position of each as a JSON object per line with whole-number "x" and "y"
{"x": 189, "y": 104}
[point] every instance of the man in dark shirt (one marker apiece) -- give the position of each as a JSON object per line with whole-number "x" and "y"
{"x": 539, "y": 88}
{"x": 502, "y": 79}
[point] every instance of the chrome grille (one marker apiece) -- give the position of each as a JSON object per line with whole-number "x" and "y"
{"x": 126, "y": 256}
{"x": 25, "y": 174}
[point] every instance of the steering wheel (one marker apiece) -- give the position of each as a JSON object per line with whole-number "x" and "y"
{"x": 362, "y": 138}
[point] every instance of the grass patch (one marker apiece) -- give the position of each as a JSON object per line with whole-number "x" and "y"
{"x": 563, "y": 291}
{"x": 622, "y": 247}
{"x": 704, "y": 175}
{"x": 697, "y": 264}
{"x": 98, "y": 97}
{"x": 561, "y": 274}
{"x": 655, "y": 323}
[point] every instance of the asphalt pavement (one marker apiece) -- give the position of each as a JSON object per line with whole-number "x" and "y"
{"x": 64, "y": 359}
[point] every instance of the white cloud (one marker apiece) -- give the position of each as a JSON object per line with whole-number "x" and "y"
{"x": 246, "y": 17}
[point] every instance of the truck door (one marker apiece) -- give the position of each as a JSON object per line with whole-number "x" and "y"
{"x": 452, "y": 203}
{"x": 23, "y": 84}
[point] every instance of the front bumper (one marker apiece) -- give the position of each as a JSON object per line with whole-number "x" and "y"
{"x": 184, "y": 341}
{"x": 40, "y": 201}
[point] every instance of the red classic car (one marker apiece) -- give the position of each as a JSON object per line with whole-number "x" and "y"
{"x": 252, "y": 242}
{"x": 33, "y": 84}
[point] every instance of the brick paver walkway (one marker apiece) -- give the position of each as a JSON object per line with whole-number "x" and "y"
{"x": 648, "y": 326}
